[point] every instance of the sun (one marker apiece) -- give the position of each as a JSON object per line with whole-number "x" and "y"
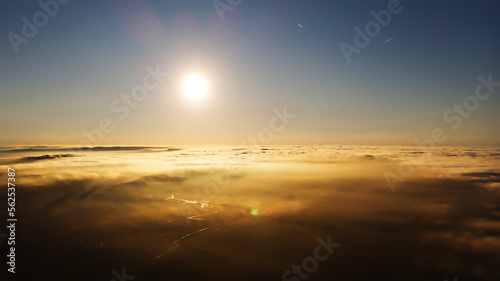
{"x": 195, "y": 87}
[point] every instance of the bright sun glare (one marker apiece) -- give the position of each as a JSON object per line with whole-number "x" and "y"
{"x": 195, "y": 87}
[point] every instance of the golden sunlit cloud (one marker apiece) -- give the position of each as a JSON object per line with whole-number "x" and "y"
{"x": 195, "y": 87}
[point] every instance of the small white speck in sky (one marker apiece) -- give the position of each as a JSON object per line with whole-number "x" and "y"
{"x": 389, "y": 39}
{"x": 299, "y": 25}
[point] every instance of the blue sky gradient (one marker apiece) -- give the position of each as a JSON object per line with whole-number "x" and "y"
{"x": 258, "y": 58}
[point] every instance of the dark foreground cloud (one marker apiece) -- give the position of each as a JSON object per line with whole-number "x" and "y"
{"x": 429, "y": 230}
{"x": 484, "y": 177}
{"x": 46, "y": 157}
{"x": 94, "y": 216}
{"x": 95, "y": 148}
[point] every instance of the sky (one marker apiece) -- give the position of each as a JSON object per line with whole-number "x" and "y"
{"x": 65, "y": 84}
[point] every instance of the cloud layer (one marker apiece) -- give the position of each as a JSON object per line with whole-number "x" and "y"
{"x": 107, "y": 209}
